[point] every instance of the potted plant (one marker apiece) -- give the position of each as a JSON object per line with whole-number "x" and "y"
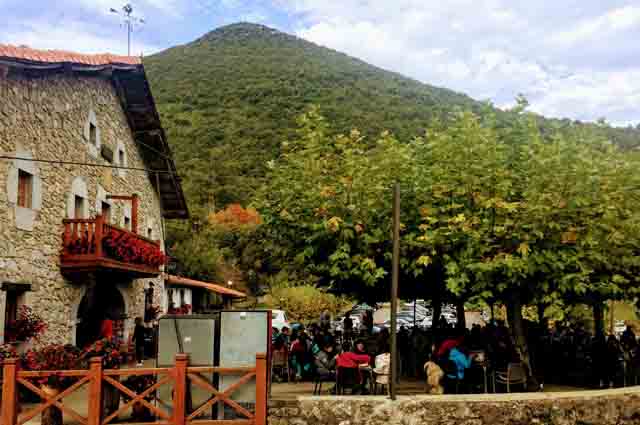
{"x": 111, "y": 359}
{"x": 52, "y": 357}
{"x": 27, "y": 326}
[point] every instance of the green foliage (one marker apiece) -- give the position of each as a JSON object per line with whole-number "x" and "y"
{"x": 303, "y": 302}
{"x": 229, "y": 99}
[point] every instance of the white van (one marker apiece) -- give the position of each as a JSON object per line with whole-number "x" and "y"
{"x": 279, "y": 319}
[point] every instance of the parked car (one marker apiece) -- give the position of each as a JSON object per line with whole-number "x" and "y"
{"x": 279, "y": 319}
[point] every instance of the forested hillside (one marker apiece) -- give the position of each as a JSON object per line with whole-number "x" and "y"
{"x": 229, "y": 99}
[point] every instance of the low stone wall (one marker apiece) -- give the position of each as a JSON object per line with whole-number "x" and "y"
{"x": 607, "y": 407}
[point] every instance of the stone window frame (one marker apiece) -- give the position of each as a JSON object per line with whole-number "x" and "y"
{"x": 24, "y": 217}
{"x": 122, "y": 173}
{"x": 94, "y": 149}
{"x": 126, "y": 214}
{"x": 78, "y": 188}
{"x": 102, "y": 197}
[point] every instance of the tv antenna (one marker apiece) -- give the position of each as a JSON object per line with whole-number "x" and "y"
{"x": 129, "y": 20}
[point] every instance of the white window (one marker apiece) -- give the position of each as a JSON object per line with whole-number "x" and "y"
{"x": 121, "y": 159}
{"x": 106, "y": 212}
{"x": 92, "y": 134}
{"x": 77, "y": 206}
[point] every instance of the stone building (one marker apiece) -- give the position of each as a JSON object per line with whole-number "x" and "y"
{"x": 81, "y": 239}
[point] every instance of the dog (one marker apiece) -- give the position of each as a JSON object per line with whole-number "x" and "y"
{"x": 434, "y": 378}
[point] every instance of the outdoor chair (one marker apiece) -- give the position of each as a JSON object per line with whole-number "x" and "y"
{"x": 514, "y": 375}
{"x": 280, "y": 365}
{"x": 319, "y": 379}
{"x": 381, "y": 374}
{"x": 347, "y": 377}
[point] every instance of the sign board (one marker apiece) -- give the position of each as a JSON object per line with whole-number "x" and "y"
{"x": 243, "y": 334}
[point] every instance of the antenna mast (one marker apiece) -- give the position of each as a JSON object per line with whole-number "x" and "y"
{"x": 129, "y": 20}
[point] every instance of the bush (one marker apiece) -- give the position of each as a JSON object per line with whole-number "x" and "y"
{"x": 305, "y": 303}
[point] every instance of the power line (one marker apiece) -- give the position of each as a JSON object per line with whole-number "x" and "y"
{"x": 87, "y": 164}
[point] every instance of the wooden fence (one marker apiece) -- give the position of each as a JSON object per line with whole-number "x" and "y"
{"x": 97, "y": 379}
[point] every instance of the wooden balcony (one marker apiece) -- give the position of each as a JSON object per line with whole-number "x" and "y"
{"x": 91, "y": 245}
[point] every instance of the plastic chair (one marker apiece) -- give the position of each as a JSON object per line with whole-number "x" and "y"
{"x": 515, "y": 374}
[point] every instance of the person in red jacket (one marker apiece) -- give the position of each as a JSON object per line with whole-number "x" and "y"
{"x": 357, "y": 360}
{"x": 106, "y": 329}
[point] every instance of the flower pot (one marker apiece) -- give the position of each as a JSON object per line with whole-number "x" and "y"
{"x": 51, "y": 415}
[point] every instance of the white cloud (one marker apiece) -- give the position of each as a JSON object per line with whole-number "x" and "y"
{"x": 620, "y": 19}
{"x": 71, "y": 35}
{"x": 492, "y": 49}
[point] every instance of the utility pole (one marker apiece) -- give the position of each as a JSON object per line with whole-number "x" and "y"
{"x": 129, "y": 20}
{"x": 394, "y": 291}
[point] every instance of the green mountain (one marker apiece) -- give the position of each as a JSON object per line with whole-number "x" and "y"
{"x": 230, "y": 98}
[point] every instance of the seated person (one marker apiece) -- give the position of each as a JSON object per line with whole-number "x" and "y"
{"x": 356, "y": 359}
{"x": 300, "y": 355}
{"x": 457, "y": 364}
{"x": 325, "y": 362}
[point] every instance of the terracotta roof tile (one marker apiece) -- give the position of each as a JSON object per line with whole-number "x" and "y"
{"x": 60, "y": 56}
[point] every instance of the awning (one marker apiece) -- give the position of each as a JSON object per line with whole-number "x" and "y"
{"x": 219, "y": 289}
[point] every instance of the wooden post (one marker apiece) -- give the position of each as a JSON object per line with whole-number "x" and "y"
{"x": 134, "y": 213}
{"x": 9, "y": 412}
{"x": 98, "y": 233}
{"x": 261, "y": 389}
{"x": 394, "y": 291}
{"x": 95, "y": 392}
{"x": 180, "y": 389}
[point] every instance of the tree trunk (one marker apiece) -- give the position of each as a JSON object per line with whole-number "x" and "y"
{"x": 543, "y": 321}
{"x": 516, "y": 322}
{"x": 51, "y": 415}
{"x": 436, "y": 304}
{"x": 612, "y": 307}
{"x": 598, "y": 318}
{"x": 461, "y": 320}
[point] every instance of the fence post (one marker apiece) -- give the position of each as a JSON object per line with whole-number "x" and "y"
{"x": 180, "y": 389}
{"x": 261, "y": 389}
{"x": 9, "y": 413}
{"x": 95, "y": 392}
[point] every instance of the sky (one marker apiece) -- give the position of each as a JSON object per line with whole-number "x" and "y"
{"x": 577, "y": 59}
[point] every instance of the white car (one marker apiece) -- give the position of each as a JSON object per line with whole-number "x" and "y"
{"x": 279, "y": 319}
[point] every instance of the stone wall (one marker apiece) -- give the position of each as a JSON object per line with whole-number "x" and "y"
{"x": 47, "y": 118}
{"x": 609, "y": 407}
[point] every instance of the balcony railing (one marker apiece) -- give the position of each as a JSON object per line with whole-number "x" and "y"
{"x": 92, "y": 245}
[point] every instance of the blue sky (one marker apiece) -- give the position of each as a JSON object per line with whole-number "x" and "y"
{"x": 572, "y": 58}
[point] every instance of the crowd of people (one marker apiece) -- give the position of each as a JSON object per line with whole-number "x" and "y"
{"x": 567, "y": 355}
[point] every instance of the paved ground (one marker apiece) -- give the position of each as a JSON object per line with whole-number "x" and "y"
{"x": 284, "y": 391}
{"x": 78, "y": 400}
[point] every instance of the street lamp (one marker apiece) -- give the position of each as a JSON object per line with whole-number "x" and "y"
{"x": 230, "y": 283}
